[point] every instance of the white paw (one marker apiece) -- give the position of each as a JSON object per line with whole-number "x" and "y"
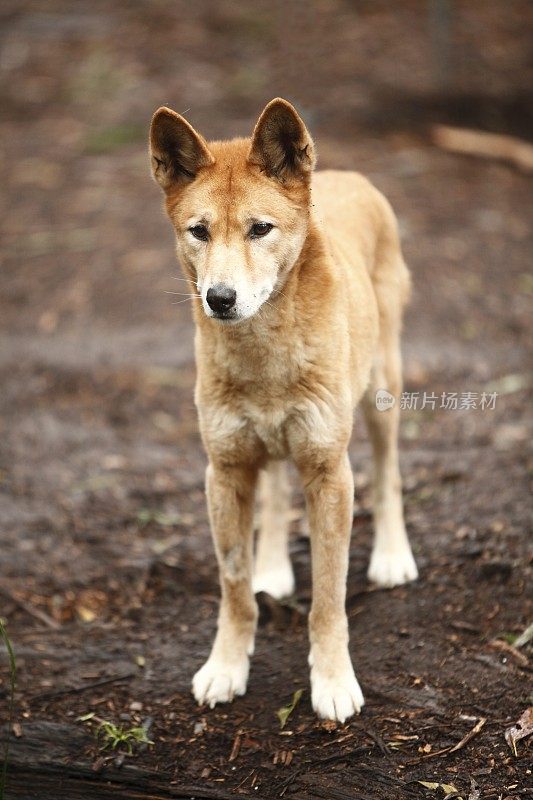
{"x": 278, "y": 582}
{"x": 219, "y": 681}
{"x": 336, "y": 696}
{"x": 390, "y": 568}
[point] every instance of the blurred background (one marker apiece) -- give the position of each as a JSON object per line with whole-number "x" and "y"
{"x": 101, "y": 470}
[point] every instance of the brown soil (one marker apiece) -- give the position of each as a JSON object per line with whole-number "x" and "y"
{"x": 104, "y": 527}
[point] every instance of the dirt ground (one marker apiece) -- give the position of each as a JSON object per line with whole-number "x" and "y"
{"x": 108, "y": 581}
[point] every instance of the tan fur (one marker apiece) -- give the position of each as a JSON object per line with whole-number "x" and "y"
{"x": 319, "y": 306}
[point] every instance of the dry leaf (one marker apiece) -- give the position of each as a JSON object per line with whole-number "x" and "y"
{"x": 447, "y": 788}
{"x": 475, "y": 794}
{"x": 523, "y": 728}
{"x": 284, "y": 713}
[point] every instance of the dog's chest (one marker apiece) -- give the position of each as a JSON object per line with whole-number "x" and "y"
{"x": 269, "y": 426}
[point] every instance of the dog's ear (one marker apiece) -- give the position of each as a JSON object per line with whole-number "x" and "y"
{"x": 281, "y": 144}
{"x": 177, "y": 152}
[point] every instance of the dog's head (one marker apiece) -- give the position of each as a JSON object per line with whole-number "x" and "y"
{"x": 240, "y": 208}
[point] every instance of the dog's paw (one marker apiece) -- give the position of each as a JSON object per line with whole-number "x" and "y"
{"x": 219, "y": 681}
{"x": 336, "y": 696}
{"x": 390, "y": 568}
{"x": 278, "y": 583}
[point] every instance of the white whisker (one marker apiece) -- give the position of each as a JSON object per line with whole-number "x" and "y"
{"x": 278, "y": 291}
{"x": 183, "y": 294}
{"x": 187, "y": 299}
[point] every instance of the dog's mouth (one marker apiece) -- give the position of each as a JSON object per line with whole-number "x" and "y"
{"x": 230, "y": 317}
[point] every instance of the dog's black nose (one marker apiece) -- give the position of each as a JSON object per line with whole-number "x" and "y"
{"x": 221, "y": 298}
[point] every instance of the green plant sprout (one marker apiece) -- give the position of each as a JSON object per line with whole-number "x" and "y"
{"x": 113, "y": 737}
{"x": 12, "y": 681}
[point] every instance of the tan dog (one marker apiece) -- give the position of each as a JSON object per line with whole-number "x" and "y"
{"x": 300, "y": 286}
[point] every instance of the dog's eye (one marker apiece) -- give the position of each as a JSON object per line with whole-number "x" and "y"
{"x": 199, "y": 232}
{"x": 259, "y": 229}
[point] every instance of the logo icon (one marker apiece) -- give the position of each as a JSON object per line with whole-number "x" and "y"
{"x": 384, "y": 400}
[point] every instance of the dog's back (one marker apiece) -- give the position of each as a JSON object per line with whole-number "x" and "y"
{"x": 361, "y": 229}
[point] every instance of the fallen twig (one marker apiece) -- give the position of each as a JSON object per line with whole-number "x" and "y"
{"x": 505, "y": 647}
{"x": 470, "y": 735}
{"x": 485, "y": 145}
{"x": 79, "y": 689}
{"x": 34, "y": 612}
{"x": 383, "y": 746}
{"x": 284, "y": 785}
{"x": 524, "y": 637}
{"x": 345, "y": 756}
{"x": 235, "y": 750}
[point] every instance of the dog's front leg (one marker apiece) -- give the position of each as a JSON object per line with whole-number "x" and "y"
{"x": 230, "y": 496}
{"x": 335, "y": 692}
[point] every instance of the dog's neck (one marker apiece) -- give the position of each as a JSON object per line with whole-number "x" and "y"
{"x": 269, "y": 349}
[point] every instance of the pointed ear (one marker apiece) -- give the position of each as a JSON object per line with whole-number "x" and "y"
{"x": 281, "y": 144}
{"x": 177, "y": 152}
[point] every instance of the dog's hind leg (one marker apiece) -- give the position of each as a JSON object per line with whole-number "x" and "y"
{"x": 230, "y": 496}
{"x": 273, "y": 570}
{"x": 392, "y": 561}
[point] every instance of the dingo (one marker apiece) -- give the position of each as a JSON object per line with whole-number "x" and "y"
{"x": 300, "y": 286}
